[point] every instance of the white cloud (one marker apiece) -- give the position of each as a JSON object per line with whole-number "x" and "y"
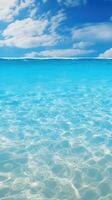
{"x": 106, "y": 54}
{"x": 57, "y": 20}
{"x": 72, "y": 3}
{"x": 82, "y": 45}
{"x": 10, "y": 8}
{"x": 29, "y": 33}
{"x": 30, "y": 42}
{"x": 25, "y": 27}
{"x": 33, "y": 11}
{"x": 93, "y": 32}
{"x": 59, "y": 53}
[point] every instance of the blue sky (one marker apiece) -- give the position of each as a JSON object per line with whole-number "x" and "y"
{"x": 56, "y": 28}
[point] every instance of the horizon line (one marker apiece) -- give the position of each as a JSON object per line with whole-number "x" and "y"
{"x": 55, "y": 58}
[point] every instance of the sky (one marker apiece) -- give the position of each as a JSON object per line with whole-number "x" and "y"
{"x": 56, "y": 28}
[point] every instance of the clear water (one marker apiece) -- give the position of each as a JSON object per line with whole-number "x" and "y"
{"x": 56, "y": 130}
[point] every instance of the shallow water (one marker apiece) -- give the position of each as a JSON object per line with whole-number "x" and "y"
{"x": 56, "y": 130}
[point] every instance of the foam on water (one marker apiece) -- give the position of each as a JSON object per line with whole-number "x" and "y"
{"x": 56, "y": 130}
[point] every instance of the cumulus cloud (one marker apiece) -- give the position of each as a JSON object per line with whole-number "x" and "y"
{"x": 26, "y": 27}
{"x": 10, "y": 8}
{"x": 29, "y": 33}
{"x": 106, "y": 54}
{"x": 30, "y": 42}
{"x": 93, "y": 32}
{"x": 59, "y": 53}
{"x": 72, "y": 3}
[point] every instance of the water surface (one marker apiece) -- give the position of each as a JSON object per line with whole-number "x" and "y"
{"x": 56, "y": 130}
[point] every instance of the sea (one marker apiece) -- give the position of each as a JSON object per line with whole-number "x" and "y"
{"x": 56, "y": 129}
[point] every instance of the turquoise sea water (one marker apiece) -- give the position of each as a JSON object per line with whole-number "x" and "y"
{"x": 56, "y": 130}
